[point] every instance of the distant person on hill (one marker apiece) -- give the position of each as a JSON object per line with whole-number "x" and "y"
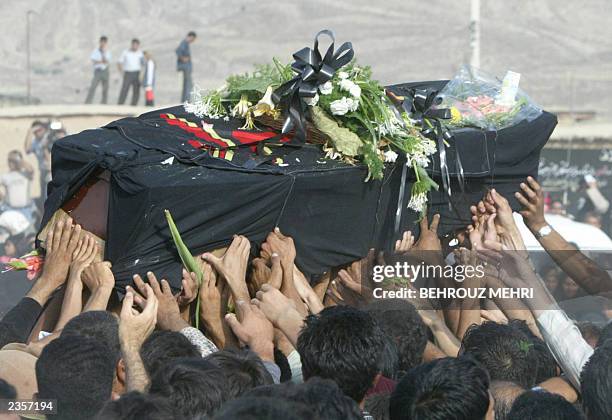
{"x": 100, "y": 57}
{"x": 148, "y": 80}
{"x": 131, "y": 63}
{"x": 183, "y": 64}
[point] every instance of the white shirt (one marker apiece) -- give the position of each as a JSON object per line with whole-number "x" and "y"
{"x": 97, "y": 55}
{"x": 131, "y": 60}
{"x": 17, "y": 187}
{"x": 565, "y": 342}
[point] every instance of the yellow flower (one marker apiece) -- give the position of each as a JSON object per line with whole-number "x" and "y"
{"x": 242, "y": 107}
{"x": 455, "y": 115}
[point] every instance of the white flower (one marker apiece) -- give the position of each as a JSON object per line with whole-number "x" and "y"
{"x": 351, "y": 87}
{"x": 390, "y": 156}
{"x": 353, "y": 104}
{"x": 326, "y": 88}
{"x": 418, "y": 202}
{"x": 355, "y": 90}
{"x": 312, "y": 101}
{"x": 339, "y": 107}
{"x": 343, "y": 75}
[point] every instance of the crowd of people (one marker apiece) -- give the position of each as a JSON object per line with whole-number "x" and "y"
{"x": 256, "y": 339}
{"x": 137, "y": 68}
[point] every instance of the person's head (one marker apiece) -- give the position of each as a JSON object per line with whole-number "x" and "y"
{"x": 596, "y": 383}
{"x": 557, "y": 207}
{"x": 343, "y": 344}
{"x": 551, "y": 276}
{"x": 135, "y": 44}
{"x": 191, "y": 36}
{"x": 161, "y": 347}
{"x": 137, "y": 406}
{"x": 103, "y": 42}
{"x": 569, "y": 288}
{"x": 401, "y": 321}
{"x": 147, "y": 55}
{"x": 10, "y": 247}
{"x": 15, "y": 160}
{"x": 593, "y": 219}
{"x": 264, "y": 408}
{"x": 605, "y": 334}
{"x": 76, "y": 371}
{"x": 546, "y": 363}
{"x": 504, "y": 393}
{"x": 378, "y": 406}
{"x": 18, "y": 367}
{"x": 455, "y": 388}
{"x": 39, "y": 128}
{"x": 325, "y": 398}
{"x": 590, "y": 332}
{"x": 542, "y": 405}
{"x": 194, "y": 386}
{"x": 505, "y": 351}
{"x": 244, "y": 370}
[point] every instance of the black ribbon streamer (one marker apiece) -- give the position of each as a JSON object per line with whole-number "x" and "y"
{"x": 312, "y": 71}
{"x": 418, "y": 104}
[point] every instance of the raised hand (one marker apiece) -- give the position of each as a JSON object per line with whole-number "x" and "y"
{"x": 232, "y": 266}
{"x": 404, "y": 245}
{"x": 254, "y": 330}
{"x": 168, "y": 312}
{"x": 532, "y": 199}
{"x": 189, "y": 290}
{"x": 62, "y": 240}
{"x": 83, "y": 256}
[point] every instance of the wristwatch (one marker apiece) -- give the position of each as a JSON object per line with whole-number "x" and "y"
{"x": 543, "y": 231}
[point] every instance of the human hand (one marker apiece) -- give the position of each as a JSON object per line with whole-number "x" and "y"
{"x": 404, "y": 245}
{"x": 83, "y": 257}
{"x": 189, "y": 291}
{"x": 98, "y": 276}
{"x": 62, "y": 240}
{"x": 428, "y": 238}
{"x": 532, "y": 199}
{"x": 135, "y": 327}
{"x": 262, "y": 274}
{"x": 168, "y": 312}
{"x": 273, "y": 304}
{"x": 306, "y": 292}
{"x": 233, "y": 265}
{"x": 277, "y": 243}
{"x": 255, "y": 330}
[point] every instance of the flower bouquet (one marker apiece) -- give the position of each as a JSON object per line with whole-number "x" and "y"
{"x": 32, "y": 263}
{"x": 326, "y": 99}
{"x": 476, "y": 99}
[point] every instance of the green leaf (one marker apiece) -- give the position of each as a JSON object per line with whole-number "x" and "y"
{"x": 187, "y": 259}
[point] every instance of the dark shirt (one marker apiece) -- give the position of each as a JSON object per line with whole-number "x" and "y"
{"x": 17, "y": 324}
{"x": 183, "y": 51}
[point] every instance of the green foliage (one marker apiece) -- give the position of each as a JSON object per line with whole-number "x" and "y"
{"x": 254, "y": 84}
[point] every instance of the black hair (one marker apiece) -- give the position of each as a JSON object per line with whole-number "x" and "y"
{"x": 401, "y": 321}
{"x": 192, "y": 34}
{"x": 605, "y": 334}
{"x": 343, "y": 344}
{"x": 388, "y": 360}
{"x": 135, "y": 40}
{"x": 264, "y": 408}
{"x": 546, "y": 363}
{"x": 194, "y": 386}
{"x": 542, "y": 405}
{"x": 103, "y": 38}
{"x": 504, "y": 350}
{"x": 100, "y": 325}
{"x": 456, "y": 388}
{"x": 161, "y": 347}
{"x": 377, "y": 405}
{"x": 137, "y": 406}
{"x": 7, "y": 391}
{"x": 504, "y": 393}
{"x": 596, "y": 383}
{"x": 244, "y": 370}
{"x": 78, "y": 372}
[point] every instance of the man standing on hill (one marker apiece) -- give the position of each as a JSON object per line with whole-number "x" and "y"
{"x": 100, "y": 58}
{"x": 183, "y": 64}
{"x": 131, "y": 63}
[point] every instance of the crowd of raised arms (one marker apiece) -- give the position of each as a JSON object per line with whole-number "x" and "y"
{"x": 273, "y": 345}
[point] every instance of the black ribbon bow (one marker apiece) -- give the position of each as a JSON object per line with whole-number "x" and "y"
{"x": 312, "y": 71}
{"x": 418, "y": 103}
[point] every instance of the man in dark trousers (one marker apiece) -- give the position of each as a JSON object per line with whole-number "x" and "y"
{"x": 100, "y": 58}
{"x": 183, "y": 64}
{"x": 131, "y": 63}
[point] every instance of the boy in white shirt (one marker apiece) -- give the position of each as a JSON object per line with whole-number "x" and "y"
{"x": 131, "y": 63}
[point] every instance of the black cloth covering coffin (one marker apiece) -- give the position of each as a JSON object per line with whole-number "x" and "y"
{"x": 332, "y": 214}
